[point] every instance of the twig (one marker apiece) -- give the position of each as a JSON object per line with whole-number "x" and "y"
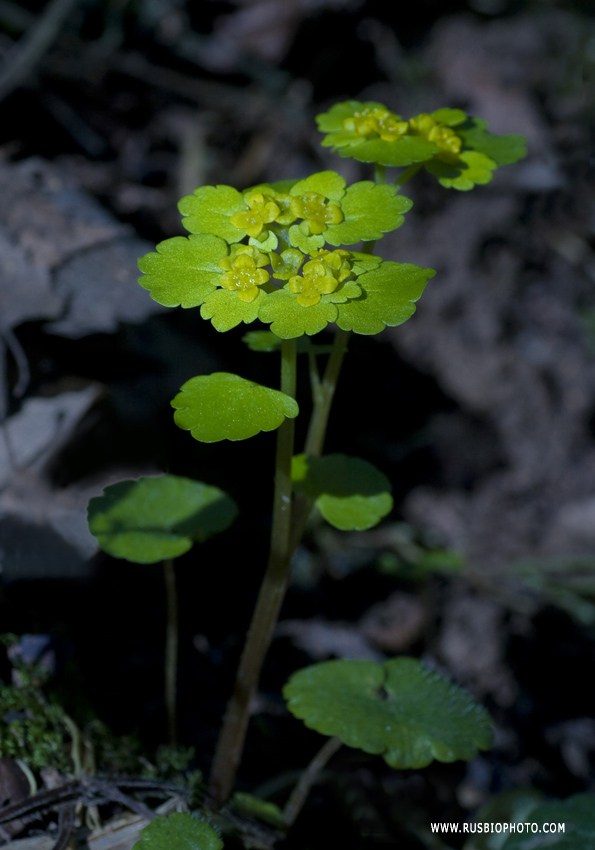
{"x": 65, "y": 827}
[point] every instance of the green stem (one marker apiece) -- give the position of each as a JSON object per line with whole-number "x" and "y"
{"x": 379, "y": 173}
{"x": 323, "y": 397}
{"x": 272, "y": 592}
{"x": 298, "y": 796}
{"x": 406, "y": 175}
{"x": 326, "y": 391}
{"x": 314, "y": 375}
{"x": 171, "y": 648}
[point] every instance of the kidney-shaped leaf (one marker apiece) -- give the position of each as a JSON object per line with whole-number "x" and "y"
{"x": 223, "y": 406}
{"x": 151, "y": 519}
{"x": 179, "y": 831}
{"x": 400, "y": 710}
{"x": 349, "y": 492}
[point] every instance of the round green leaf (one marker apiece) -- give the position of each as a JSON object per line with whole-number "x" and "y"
{"x": 268, "y": 243}
{"x": 183, "y": 271}
{"x": 327, "y": 183}
{"x": 450, "y": 117}
{"x": 289, "y": 319}
{"x": 226, "y": 310}
{"x": 179, "y": 831}
{"x": 209, "y": 210}
{"x": 504, "y": 150}
{"x": 370, "y": 211}
{"x": 400, "y": 710}
{"x": 350, "y": 493}
{"x": 388, "y": 298}
{"x": 470, "y": 169}
{"x": 151, "y": 519}
{"x": 577, "y": 813}
{"x": 223, "y": 406}
{"x": 404, "y": 151}
{"x": 264, "y": 341}
{"x": 307, "y": 244}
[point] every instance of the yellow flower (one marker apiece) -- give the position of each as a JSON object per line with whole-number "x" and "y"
{"x": 445, "y": 137}
{"x": 244, "y": 272}
{"x": 376, "y": 122}
{"x": 316, "y": 211}
{"x": 336, "y": 263}
{"x": 262, "y": 210}
{"x": 317, "y": 281}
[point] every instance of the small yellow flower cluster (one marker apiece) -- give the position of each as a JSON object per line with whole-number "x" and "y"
{"x": 262, "y": 210}
{"x": 317, "y": 213}
{"x": 445, "y": 137}
{"x": 376, "y": 122}
{"x": 321, "y": 276}
{"x": 379, "y": 121}
{"x": 244, "y": 272}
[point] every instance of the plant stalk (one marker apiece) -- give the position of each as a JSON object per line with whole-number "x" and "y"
{"x": 171, "y": 649}
{"x": 406, "y": 175}
{"x": 298, "y": 796}
{"x": 323, "y": 393}
{"x": 272, "y": 592}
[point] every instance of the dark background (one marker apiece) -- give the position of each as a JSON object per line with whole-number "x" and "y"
{"x": 481, "y": 409}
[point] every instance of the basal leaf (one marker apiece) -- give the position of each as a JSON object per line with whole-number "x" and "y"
{"x": 400, "y": 710}
{"x": 225, "y": 310}
{"x": 223, "y": 406}
{"x": 504, "y": 150}
{"x": 577, "y": 813}
{"x": 183, "y": 271}
{"x": 389, "y": 295}
{"x": 350, "y": 493}
{"x": 209, "y": 210}
{"x": 151, "y": 519}
{"x": 289, "y": 319}
{"x": 179, "y": 831}
{"x": 369, "y": 212}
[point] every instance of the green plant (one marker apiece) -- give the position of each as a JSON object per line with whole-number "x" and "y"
{"x": 283, "y": 254}
{"x": 158, "y": 519}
